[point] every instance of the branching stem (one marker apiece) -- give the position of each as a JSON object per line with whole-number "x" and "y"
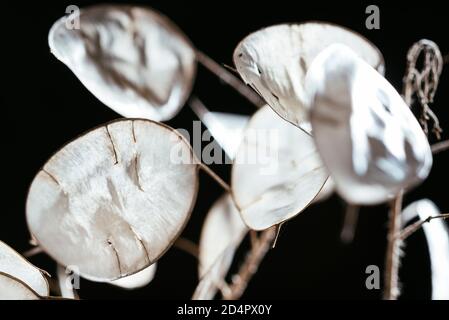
{"x": 229, "y": 78}
{"x": 407, "y": 232}
{"x": 251, "y": 264}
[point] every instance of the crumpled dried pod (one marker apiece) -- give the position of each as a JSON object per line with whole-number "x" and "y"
{"x": 274, "y": 61}
{"x": 19, "y": 278}
{"x": 222, "y": 233}
{"x": 437, "y": 235}
{"x": 112, "y": 201}
{"x": 133, "y": 59}
{"x": 277, "y": 171}
{"x": 370, "y": 141}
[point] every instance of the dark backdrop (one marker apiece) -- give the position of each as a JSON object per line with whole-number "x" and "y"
{"x": 46, "y": 106}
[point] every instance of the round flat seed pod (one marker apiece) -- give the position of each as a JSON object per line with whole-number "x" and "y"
{"x": 12, "y": 288}
{"x": 437, "y": 236}
{"x": 221, "y": 235}
{"x": 133, "y": 59}
{"x": 370, "y": 141}
{"x": 275, "y": 60}
{"x": 16, "y": 266}
{"x": 277, "y": 171}
{"x": 112, "y": 201}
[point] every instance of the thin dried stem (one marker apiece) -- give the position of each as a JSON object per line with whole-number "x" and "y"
{"x": 350, "y": 223}
{"x": 187, "y": 246}
{"x": 407, "y": 232}
{"x": 198, "y": 107}
{"x": 32, "y": 252}
{"x": 229, "y": 78}
{"x": 216, "y": 177}
{"x": 251, "y": 264}
{"x": 440, "y": 146}
{"x": 278, "y": 232}
{"x": 393, "y": 250}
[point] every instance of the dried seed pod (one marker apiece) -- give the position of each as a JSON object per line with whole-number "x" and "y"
{"x": 226, "y": 128}
{"x": 222, "y": 233}
{"x": 437, "y": 235}
{"x": 277, "y": 171}
{"x": 19, "y": 276}
{"x": 12, "y": 288}
{"x": 112, "y": 201}
{"x": 367, "y": 136}
{"x": 275, "y": 60}
{"x": 133, "y": 59}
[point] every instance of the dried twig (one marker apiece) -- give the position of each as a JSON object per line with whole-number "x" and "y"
{"x": 216, "y": 177}
{"x": 187, "y": 246}
{"x": 440, "y": 146}
{"x": 423, "y": 84}
{"x": 350, "y": 223}
{"x": 229, "y": 78}
{"x": 258, "y": 251}
{"x": 32, "y": 252}
{"x": 407, "y": 232}
{"x": 393, "y": 250}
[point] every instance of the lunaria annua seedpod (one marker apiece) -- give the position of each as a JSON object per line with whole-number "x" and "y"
{"x": 221, "y": 235}
{"x": 112, "y": 201}
{"x": 277, "y": 171}
{"x": 370, "y": 141}
{"x": 133, "y": 59}
{"x": 437, "y": 235}
{"x": 19, "y": 279}
{"x": 274, "y": 61}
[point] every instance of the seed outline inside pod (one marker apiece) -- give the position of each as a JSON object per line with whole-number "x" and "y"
{"x": 106, "y": 132}
{"x": 279, "y": 78}
{"x": 122, "y": 81}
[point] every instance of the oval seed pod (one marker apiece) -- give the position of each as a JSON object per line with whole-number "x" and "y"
{"x": 222, "y": 233}
{"x": 370, "y": 141}
{"x": 277, "y": 171}
{"x": 112, "y": 201}
{"x": 16, "y": 266}
{"x": 133, "y": 59}
{"x": 437, "y": 235}
{"x": 12, "y": 288}
{"x": 275, "y": 60}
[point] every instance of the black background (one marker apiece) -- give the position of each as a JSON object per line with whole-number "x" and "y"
{"x": 46, "y": 106}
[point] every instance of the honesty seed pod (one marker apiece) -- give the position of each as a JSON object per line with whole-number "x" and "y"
{"x": 112, "y": 201}
{"x": 221, "y": 235}
{"x": 370, "y": 141}
{"x": 277, "y": 171}
{"x": 19, "y": 279}
{"x": 274, "y": 61}
{"x": 133, "y": 59}
{"x": 437, "y": 236}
